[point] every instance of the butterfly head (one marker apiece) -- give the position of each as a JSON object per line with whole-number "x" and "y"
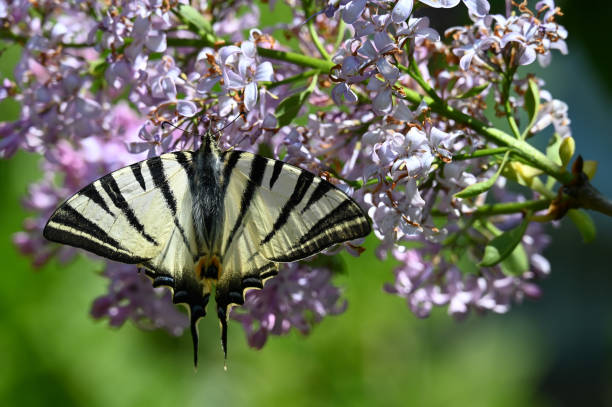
{"x": 209, "y": 143}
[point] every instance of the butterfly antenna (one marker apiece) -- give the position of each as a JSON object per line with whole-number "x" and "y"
{"x": 230, "y": 123}
{"x": 326, "y": 10}
{"x": 166, "y": 122}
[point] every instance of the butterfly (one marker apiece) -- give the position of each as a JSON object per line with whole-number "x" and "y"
{"x": 194, "y": 220}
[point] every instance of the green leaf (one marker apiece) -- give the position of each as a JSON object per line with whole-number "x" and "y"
{"x": 476, "y": 90}
{"x": 584, "y": 223}
{"x": 466, "y": 264}
{"x": 516, "y": 263}
{"x": 289, "y": 108}
{"x": 504, "y": 245}
{"x": 532, "y": 102}
{"x": 552, "y": 150}
{"x": 191, "y": 16}
{"x": 483, "y": 186}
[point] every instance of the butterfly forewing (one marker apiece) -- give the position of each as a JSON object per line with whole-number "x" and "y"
{"x": 137, "y": 214}
{"x": 289, "y": 212}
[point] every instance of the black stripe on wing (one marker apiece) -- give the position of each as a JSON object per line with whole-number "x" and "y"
{"x": 183, "y": 158}
{"x": 228, "y": 169}
{"x": 109, "y": 184}
{"x": 301, "y": 187}
{"x": 258, "y": 167}
{"x": 85, "y": 234}
{"x": 91, "y": 192}
{"x": 278, "y": 167}
{"x": 156, "y": 168}
{"x": 318, "y": 193}
{"x": 137, "y": 172}
{"x": 346, "y": 222}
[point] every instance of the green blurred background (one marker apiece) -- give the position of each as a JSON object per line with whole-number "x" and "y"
{"x": 553, "y": 352}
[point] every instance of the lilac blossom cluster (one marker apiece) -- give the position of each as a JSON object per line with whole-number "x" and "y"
{"x": 386, "y": 107}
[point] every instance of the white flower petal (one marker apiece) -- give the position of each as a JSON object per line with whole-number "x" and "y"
{"x": 440, "y": 3}
{"x": 390, "y": 72}
{"x": 168, "y": 87}
{"x": 479, "y": 8}
{"x": 156, "y": 43}
{"x": 250, "y": 95}
{"x": 353, "y": 10}
{"x": 264, "y": 72}
{"x": 383, "y": 103}
{"x": 528, "y": 56}
{"x": 186, "y": 108}
{"x": 248, "y": 49}
{"x": 401, "y": 11}
{"x": 226, "y": 52}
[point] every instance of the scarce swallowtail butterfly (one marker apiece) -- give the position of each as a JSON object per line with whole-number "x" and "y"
{"x": 198, "y": 219}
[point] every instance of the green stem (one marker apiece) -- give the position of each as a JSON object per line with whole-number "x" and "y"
{"x": 311, "y": 30}
{"x": 480, "y": 153}
{"x": 317, "y": 42}
{"x": 291, "y": 57}
{"x": 193, "y": 42}
{"x": 507, "y": 107}
{"x": 505, "y": 208}
{"x": 529, "y": 153}
{"x": 415, "y": 73}
{"x": 291, "y": 79}
{"x": 340, "y": 36}
{"x": 296, "y": 59}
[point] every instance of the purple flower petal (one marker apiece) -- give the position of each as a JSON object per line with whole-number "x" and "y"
{"x": 401, "y": 11}
{"x": 156, "y": 43}
{"x": 390, "y": 72}
{"x": 206, "y": 84}
{"x": 479, "y": 8}
{"x": 264, "y": 72}
{"x": 250, "y": 95}
{"x": 248, "y": 49}
{"x": 353, "y": 10}
{"x": 340, "y": 90}
{"x": 186, "y": 108}
{"x": 383, "y": 103}
{"x": 168, "y": 87}
{"x": 226, "y": 52}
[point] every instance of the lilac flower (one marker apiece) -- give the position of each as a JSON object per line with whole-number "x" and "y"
{"x": 298, "y": 297}
{"x": 424, "y": 286}
{"x": 531, "y": 37}
{"x": 553, "y": 112}
{"x": 364, "y": 131}
{"x": 241, "y": 71}
{"x": 476, "y": 7}
{"x": 131, "y": 296}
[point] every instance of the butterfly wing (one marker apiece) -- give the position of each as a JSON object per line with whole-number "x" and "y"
{"x": 288, "y": 213}
{"x": 140, "y": 214}
{"x": 276, "y": 212}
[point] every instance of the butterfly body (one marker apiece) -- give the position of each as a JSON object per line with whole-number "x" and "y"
{"x": 208, "y": 220}
{"x": 208, "y": 191}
